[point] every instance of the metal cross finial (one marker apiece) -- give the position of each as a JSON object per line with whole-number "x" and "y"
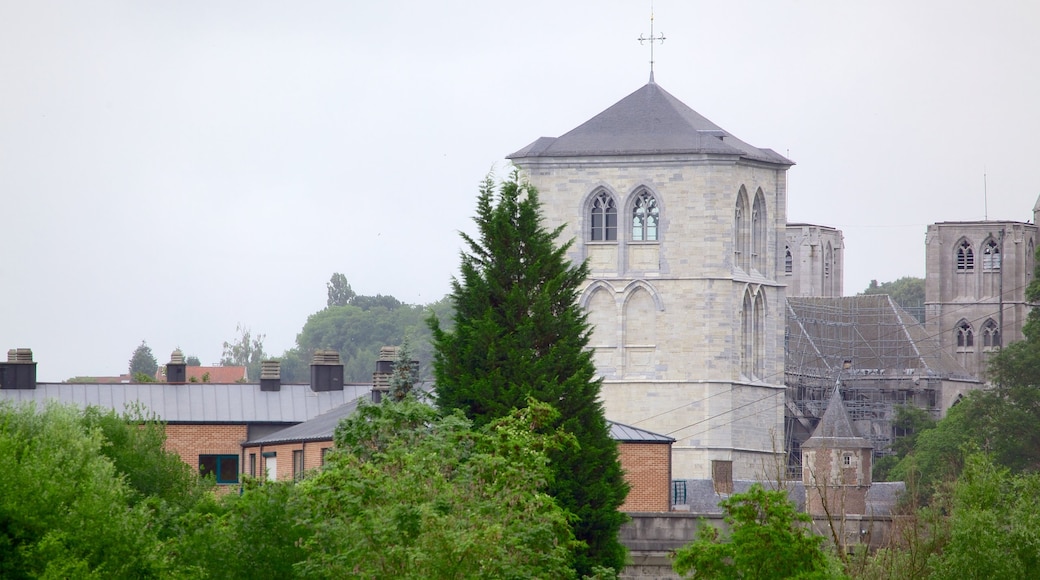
{"x": 652, "y": 39}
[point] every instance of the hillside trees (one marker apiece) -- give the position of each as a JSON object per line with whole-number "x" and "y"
{"x": 246, "y": 350}
{"x": 519, "y": 335}
{"x": 358, "y": 329}
{"x": 142, "y": 362}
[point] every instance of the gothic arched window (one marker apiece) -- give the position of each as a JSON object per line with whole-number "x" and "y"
{"x": 759, "y": 233}
{"x": 990, "y": 334}
{"x": 990, "y": 255}
{"x": 788, "y": 260}
{"x": 603, "y": 218}
{"x": 645, "y": 216}
{"x": 965, "y": 335}
{"x": 965, "y": 256}
{"x": 741, "y": 233}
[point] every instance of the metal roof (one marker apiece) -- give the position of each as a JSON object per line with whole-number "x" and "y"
{"x": 323, "y": 427}
{"x": 649, "y": 121}
{"x": 630, "y": 434}
{"x": 196, "y": 402}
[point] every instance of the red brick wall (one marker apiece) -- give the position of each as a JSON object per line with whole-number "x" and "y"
{"x": 648, "y": 469}
{"x": 284, "y": 453}
{"x": 190, "y": 441}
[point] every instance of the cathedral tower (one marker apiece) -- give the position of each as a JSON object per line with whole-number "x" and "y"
{"x": 683, "y": 226}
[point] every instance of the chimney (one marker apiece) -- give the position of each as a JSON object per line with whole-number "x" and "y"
{"x": 384, "y": 368}
{"x": 19, "y": 372}
{"x": 270, "y": 375}
{"x": 176, "y": 369}
{"x": 326, "y": 371}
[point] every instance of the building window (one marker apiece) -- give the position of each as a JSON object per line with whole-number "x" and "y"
{"x": 270, "y": 465}
{"x": 788, "y": 260}
{"x": 223, "y": 467}
{"x": 604, "y": 218}
{"x": 847, "y": 460}
{"x": 297, "y": 464}
{"x": 324, "y": 452}
{"x": 252, "y": 465}
{"x": 965, "y": 336}
{"x": 990, "y": 335}
{"x": 741, "y": 233}
{"x": 645, "y": 217}
{"x": 965, "y": 257}
{"x": 759, "y": 233}
{"x": 991, "y": 256}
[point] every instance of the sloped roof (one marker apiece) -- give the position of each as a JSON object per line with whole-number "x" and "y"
{"x": 873, "y": 332}
{"x": 323, "y": 427}
{"x": 196, "y": 402}
{"x": 835, "y": 430}
{"x": 649, "y": 121}
{"x": 630, "y": 434}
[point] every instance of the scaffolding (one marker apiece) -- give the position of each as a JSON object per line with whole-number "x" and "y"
{"x": 879, "y": 354}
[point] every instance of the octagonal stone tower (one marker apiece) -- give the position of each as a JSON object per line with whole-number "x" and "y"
{"x": 683, "y": 226}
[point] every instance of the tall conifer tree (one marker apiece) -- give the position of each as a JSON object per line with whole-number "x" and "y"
{"x": 519, "y": 334}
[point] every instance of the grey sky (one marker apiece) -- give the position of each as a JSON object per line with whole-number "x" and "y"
{"x": 170, "y": 169}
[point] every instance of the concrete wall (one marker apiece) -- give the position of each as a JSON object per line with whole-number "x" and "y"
{"x": 652, "y": 538}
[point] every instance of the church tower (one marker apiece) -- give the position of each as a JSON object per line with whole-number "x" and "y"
{"x": 683, "y": 226}
{"x": 836, "y": 464}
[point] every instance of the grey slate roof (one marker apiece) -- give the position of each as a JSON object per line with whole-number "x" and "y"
{"x": 630, "y": 434}
{"x": 196, "y": 402}
{"x": 323, "y": 427}
{"x": 649, "y": 121}
{"x": 835, "y": 430}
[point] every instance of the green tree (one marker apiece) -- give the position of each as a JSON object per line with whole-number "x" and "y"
{"x": 192, "y": 361}
{"x": 409, "y": 494}
{"x": 339, "y": 290}
{"x": 245, "y": 351}
{"x": 258, "y": 534}
{"x": 66, "y": 511}
{"x": 994, "y": 524}
{"x": 143, "y": 362}
{"x": 519, "y": 334}
{"x": 404, "y": 374}
{"x": 768, "y": 540}
{"x": 907, "y": 292}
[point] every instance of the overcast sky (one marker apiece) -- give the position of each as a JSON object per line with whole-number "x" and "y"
{"x": 170, "y": 169}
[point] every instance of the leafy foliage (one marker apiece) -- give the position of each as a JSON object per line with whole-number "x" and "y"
{"x": 994, "y": 526}
{"x": 358, "y": 330}
{"x": 143, "y": 362}
{"x": 404, "y": 374}
{"x": 244, "y": 351}
{"x": 907, "y": 292}
{"x": 519, "y": 335}
{"x": 767, "y": 540}
{"x": 410, "y": 494}
{"x": 65, "y": 509}
{"x": 340, "y": 292}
